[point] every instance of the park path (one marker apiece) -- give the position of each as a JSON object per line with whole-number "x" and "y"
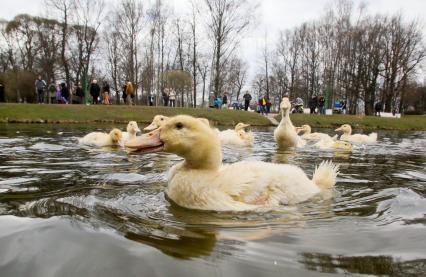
{"x": 271, "y": 118}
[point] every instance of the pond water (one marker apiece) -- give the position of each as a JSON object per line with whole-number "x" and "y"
{"x": 70, "y": 210}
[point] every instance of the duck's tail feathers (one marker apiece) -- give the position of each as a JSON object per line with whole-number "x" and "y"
{"x": 325, "y": 175}
{"x": 373, "y": 137}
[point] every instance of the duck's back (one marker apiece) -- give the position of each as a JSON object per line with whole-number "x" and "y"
{"x": 263, "y": 183}
{"x": 315, "y": 136}
{"x": 94, "y": 138}
{"x": 230, "y": 137}
{"x": 359, "y": 138}
{"x": 240, "y": 186}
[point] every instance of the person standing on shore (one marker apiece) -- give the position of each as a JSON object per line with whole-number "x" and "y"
{"x": 313, "y": 102}
{"x": 172, "y": 98}
{"x": 321, "y": 104}
{"x": 79, "y": 93}
{"x": 247, "y": 99}
{"x": 166, "y": 97}
{"x": 129, "y": 92}
{"x": 225, "y": 101}
{"x": 106, "y": 94}
{"x": 40, "y": 85}
{"x": 52, "y": 92}
{"x": 377, "y": 109}
{"x": 2, "y": 93}
{"x": 95, "y": 91}
{"x": 65, "y": 93}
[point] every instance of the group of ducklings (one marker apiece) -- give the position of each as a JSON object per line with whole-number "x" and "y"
{"x": 202, "y": 182}
{"x": 286, "y": 135}
{"x": 236, "y": 136}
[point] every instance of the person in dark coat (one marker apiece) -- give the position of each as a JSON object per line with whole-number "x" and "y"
{"x": 95, "y": 91}
{"x": 166, "y": 97}
{"x": 225, "y": 101}
{"x": 377, "y": 109}
{"x": 65, "y": 92}
{"x": 2, "y": 93}
{"x": 321, "y": 104}
{"x": 313, "y": 103}
{"x": 247, "y": 99}
{"x": 79, "y": 93}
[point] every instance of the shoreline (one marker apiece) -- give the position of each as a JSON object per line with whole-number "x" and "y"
{"x": 120, "y": 114}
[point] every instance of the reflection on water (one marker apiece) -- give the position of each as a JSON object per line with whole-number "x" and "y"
{"x": 102, "y": 212}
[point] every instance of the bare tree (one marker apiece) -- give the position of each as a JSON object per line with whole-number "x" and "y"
{"x": 228, "y": 19}
{"x": 65, "y": 9}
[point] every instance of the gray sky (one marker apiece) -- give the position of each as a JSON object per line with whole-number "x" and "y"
{"x": 274, "y": 15}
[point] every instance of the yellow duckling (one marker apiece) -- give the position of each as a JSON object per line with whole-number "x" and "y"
{"x": 201, "y": 181}
{"x": 356, "y": 138}
{"x": 102, "y": 139}
{"x": 285, "y": 134}
{"x": 132, "y": 129}
{"x": 238, "y": 136}
{"x": 308, "y": 135}
{"x": 157, "y": 122}
{"x": 331, "y": 143}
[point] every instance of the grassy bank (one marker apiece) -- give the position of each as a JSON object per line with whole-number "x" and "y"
{"x": 33, "y": 113}
{"x": 409, "y": 122}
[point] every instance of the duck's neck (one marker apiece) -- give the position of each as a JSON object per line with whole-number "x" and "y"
{"x": 285, "y": 114}
{"x": 348, "y": 132}
{"x": 208, "y": 157}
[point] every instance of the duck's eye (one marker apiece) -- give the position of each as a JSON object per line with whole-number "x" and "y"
{"x": 162, "y": 119}
{"x": 179, "y": 125}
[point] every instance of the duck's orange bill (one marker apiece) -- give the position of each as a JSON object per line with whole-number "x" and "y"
{"x": 150, "y": 142}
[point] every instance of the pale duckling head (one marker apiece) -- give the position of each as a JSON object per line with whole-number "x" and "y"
{"x": 345, "y": 128}
{"x": 306, "y": 129}
{"x": 340, "y": 144}
{"x": 133, "y": 128}
{"x": 184, "y": 136}
{"x": 241, "y": 126}
{"x": 115, "y": 135}
{"x": 157, "y": 122}
{"x": 204, "y": 120}
{"x": 246, "y": 137}
{"x": 285, "y": 104}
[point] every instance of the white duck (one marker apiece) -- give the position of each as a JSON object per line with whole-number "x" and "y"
{"x": 285, "y": 134}
{"x": 330, "y": 143}
{"x": 132, "y": 129}
{"x": 201, "y": 181}
{"x": 308, "y": 135}
{"x": 102, "y": 139}
{"x": 156, "y": 123}
{"x": 238, "y": 136}
{"x": 356, "y": 138}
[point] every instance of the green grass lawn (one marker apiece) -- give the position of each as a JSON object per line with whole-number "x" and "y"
{"x": 27, "y": 113}
{"x": 409, "y": 122}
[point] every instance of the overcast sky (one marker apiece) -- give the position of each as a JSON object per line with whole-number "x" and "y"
{"x": 274, "y": 15}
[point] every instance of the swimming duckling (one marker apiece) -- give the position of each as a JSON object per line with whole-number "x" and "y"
{"x": 201, "y": 181}
{"x": 356, "y": 138}
{"x": 102, "y": 139}
{"x": 285, "y": 134}
{"x": 157, "y": 122}
{"x": 307, "y": 135}
{"x": 132, "y": 130}
{"x": 238, "y": 136}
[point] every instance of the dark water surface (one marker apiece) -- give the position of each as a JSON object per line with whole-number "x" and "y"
{"x": 70, "y": 210}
